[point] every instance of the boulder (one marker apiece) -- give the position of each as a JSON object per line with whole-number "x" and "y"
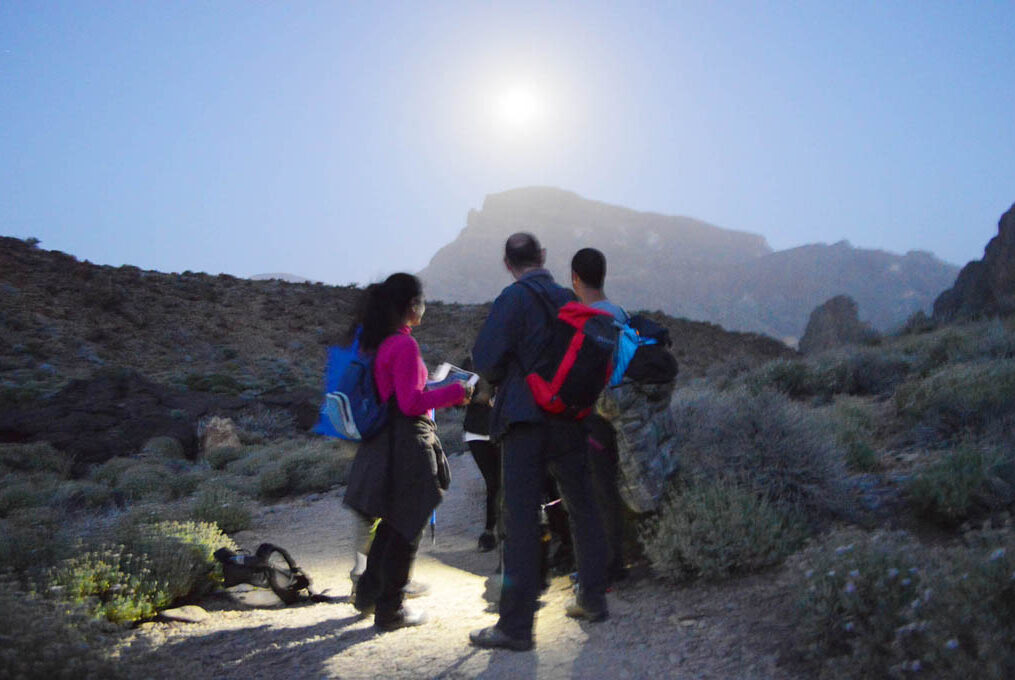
{"x": 217, "y": 433}
{"x": 833, "y": 324}
{"x": 646, "y": 448}
{"x": 984, "y": 287}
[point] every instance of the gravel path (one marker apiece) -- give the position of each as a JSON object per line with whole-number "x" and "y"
{"x": 655, "y": 630}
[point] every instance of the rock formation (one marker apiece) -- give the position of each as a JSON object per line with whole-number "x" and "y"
{"x": 685, "y": 267}
{"x": 984, "y": 287}
{"x": 834, "y": 323}
{"x": 219, "y": 432}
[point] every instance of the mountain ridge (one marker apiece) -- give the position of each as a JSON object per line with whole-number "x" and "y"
{"x": 684, "y": 266}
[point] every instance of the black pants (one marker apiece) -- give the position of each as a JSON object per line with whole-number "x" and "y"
{"x": 487, "y": 457}
{"x": 529, "y": 451}
{"x": 388, "y": 565}
{"x": 604, "y": 466}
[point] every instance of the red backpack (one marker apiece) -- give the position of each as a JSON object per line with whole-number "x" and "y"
{"x": 576, "y": 364}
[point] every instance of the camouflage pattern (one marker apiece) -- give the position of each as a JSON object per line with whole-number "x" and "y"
{"x": 646, "y": 446}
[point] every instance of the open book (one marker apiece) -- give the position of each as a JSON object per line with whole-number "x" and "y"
{"x": 448, "y": 374}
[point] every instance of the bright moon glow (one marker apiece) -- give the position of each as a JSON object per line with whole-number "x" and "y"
{"x": 517, "y": 108}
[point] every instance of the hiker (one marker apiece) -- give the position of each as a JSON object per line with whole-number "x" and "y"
{"x": 401, "y": 473}
{"x": 510, "y": 343}
{"x": 476, "y": 431}
{"x": 588, "y": 275}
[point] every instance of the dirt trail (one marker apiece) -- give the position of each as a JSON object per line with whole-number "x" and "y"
{"x": 655, "y": 631}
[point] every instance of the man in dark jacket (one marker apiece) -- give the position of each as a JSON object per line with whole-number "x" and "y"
{"x": 509, "y": 346}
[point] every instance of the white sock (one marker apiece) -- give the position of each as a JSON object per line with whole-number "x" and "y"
{"x": 361, "y": 564}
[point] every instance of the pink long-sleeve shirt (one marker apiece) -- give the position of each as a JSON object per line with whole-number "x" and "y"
{"x": 399, "y": 370}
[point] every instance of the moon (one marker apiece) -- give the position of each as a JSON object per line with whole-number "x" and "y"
{"x": 517, "y": 108}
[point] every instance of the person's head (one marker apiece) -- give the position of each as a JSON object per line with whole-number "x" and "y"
{"x": 388, "y": 306}
{"x": 588, "y": 272}
{"x": 522, "y": 253}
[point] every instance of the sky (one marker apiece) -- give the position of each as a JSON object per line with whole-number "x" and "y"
{"x": 343, "y": 141}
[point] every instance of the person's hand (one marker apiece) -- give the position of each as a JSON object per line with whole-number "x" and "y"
{"x": 468, "y": 391}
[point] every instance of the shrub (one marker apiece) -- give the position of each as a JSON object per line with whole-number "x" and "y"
{"x": 163, "y": 447}
{"x": 34, "y": 457}
{"x": 48, "y": 639}
{"x": 959, "y": 397}
{"x": 222, "y": 506}
{"x": 146, "y": 481}
{"x": 855, "y": 421}
{"x": 854, "y": 597}
{"x": 110, "y": 583}
{"x": 33, "y": 540}
{"x": 952, "y": 488}
{"x": 110, "y": 472}
{"x": 716, "y": 531}
{"x": 78, "y": 494}
{"x": 219, "y": 457}
{"x": 884, "y": 606}
{"x": 214, "y": 382}
{"x": 309, "y": 466}
{"x": 181, "y": 554}
{"x": 18, "y": 493}
{"x": 265, "y": 422}
{"x": 761, "y": 442}
{"x": 791, "y": 377}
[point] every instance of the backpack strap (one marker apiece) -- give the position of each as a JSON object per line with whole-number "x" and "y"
{"x": 551, "y": 314}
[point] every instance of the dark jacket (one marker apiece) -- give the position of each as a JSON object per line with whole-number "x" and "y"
{"x": 395, "y": 475}
{"x": 509, "y": 346}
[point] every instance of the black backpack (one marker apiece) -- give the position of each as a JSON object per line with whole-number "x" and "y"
{"x": 269, "y": 567}
{"x": 577, "y": 364}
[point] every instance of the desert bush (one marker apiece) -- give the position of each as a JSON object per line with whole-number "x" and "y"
{"x": 82, "y": 494}
{"x": 716, "y": 531}
{"x": 294, "y": 467}
{"x": 266, "y": 423}
{"x": 855, "y": 421}
{"x": 222, "y": 506}
{"x": 32, "y": 540}
{"x": 792, "y": 377}
{"x": 316, "y": 465}
{"x": 883, "y": 606}
{"x": 48, "y": 639}
{"x": 146, "y": 481}
{"x": 163, "y": 447}
{"x": 761, "y": 442}
{"x": 217, "y": 383}
{"x": 34, "y": 457}
{"x": 992, "y": 339}
{"x": 853, "y": 371}
{"x": 17, "y": 493}
{"x": 853, "y": 599}
{"x": 110, "y": 583}
{"x": 181, "y": 554}
{"x": 953, "y": 488}
{"x": 109, "y": 472}
{"x": 219, "y": 457}
{"x": 958, "y": 398}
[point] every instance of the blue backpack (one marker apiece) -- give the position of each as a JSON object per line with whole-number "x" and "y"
{"x": 352, "y": 409}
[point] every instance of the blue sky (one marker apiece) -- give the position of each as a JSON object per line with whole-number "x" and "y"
{"x": 343, "y": 141}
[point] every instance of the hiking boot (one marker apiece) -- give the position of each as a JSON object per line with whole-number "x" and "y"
{"x": 363, "y": 605}
{"x": 577, "y": 610}
{"x": 494, "y": 637}
{"x": 487, "y": 541}
{"x": 403, "y": 618}
{"x": 414, "y": 589}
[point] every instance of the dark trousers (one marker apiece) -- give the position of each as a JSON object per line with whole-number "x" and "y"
{"x": 487, "y": 457}
{"x": 530, "y": 450}
{"x": 387, "y": 572}
{"x": 604, "y": 465}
